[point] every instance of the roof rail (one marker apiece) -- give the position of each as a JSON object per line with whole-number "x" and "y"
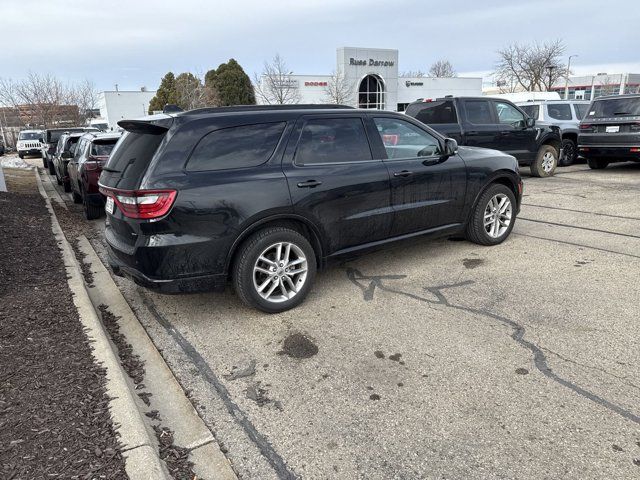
{"x": 242, "y": 108}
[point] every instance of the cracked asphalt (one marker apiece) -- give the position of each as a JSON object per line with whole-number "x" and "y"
{"x": 436, "y": 359}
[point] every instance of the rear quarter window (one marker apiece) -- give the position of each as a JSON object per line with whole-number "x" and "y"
{"x": 236, "y": 147}
{"x": 434, "y": 113}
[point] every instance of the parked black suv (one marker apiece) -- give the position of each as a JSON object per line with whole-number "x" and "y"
{"x": 610, "y": 132}
{"x": 493, "y": 123}
{"x": 266, "y": 195}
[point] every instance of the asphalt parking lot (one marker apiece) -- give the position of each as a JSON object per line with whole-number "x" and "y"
{"x": 435, "y": 359}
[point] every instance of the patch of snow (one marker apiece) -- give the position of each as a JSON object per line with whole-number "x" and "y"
{"x": 12, "y": 161}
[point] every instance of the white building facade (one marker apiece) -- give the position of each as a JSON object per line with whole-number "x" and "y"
{"x": 119, "y": 105}
{"x": 372, "y": 78}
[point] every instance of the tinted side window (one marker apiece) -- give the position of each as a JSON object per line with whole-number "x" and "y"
{"x": 437, "y": 112}
{"x": 333, "y": 140}
{"x": 581, "y": 110}
{"x": 509, "y": 115}
{"x": 559, "y": 111}
{"x": 479, "y": 112}
{"x": 404, "y": 140}
{"x": 236, "y": 147}
{"x": 531, "y": 110}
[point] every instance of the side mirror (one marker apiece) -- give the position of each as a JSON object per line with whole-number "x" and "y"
{"x": 531, "y": 122}
{"x": 450, "y": 147}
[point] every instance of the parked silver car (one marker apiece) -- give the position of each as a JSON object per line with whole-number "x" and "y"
{"x": 566, "y": 114}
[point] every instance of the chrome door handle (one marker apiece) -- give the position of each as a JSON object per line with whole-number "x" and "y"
{"x": 403, "y": 173}
{"x": 309, "y": 184}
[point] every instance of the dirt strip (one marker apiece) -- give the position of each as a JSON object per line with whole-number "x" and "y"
{"x": 54, "y": 416}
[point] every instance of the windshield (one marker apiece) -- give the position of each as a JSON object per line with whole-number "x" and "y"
{"x": 30, "y": 136}
{"x": 103, "y": 149}
{"x": 615, "y": 107}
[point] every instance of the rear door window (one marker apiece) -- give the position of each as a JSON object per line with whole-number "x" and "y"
{"x": 479, "y": 112}
{"x": 438, "y": 112}
{"x": 236, "y": 147}
{"x": 333, "y": 140}
{"x": 559, "y": 111}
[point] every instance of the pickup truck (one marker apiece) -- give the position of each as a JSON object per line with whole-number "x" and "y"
{"x": 493, "y": 123}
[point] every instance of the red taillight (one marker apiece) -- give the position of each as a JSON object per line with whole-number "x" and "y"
{"x": 428, "y": 100}
{"x": 586, "y": 127}
{"x": 635, "y": 150}
{"x": 142, "y": 204}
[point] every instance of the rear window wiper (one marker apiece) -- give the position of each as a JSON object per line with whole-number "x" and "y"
{"x": 622, "y": 113}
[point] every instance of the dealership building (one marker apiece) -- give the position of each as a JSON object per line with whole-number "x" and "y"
{"x": 372, "y": 79}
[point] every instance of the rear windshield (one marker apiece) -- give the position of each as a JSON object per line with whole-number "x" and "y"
{"x": 615, "y": 107}
{"x": 103, "y": 148}
{"x": 53, "y": 136}
{"x": 581, "y": 109}
{"x": 431, "y": 113}
{"x": 531, "y": 110}
{"x": 133, "y": 153}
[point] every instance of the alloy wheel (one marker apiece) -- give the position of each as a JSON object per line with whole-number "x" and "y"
{"x": 497, "y": 215}
{"x": 548, "y": 162}
{"x": 280, "y": 272}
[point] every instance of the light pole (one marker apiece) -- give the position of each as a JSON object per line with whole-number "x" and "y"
{"x": 566, "y": 78}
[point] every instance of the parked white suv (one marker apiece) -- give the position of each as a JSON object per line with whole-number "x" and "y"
{"x": 565, "y": 114}
{"x": 29, "y": 143}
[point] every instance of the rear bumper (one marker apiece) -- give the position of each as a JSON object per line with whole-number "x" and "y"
{"x": 621, "y": 153}
{"x": 120, "y": 264}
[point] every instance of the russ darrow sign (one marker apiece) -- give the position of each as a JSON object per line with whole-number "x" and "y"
{"x": 371, "y": 62}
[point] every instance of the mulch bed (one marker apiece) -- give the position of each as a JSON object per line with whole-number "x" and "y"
{"x": 54, "y": 417}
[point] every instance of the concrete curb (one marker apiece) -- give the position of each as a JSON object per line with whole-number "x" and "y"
{"x": 139, "y": 446}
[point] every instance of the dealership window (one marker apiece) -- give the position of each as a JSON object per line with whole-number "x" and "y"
{"x": 236, "y": 147}
{"x": 371, "y": 92}
{"x": 332, "y": 140}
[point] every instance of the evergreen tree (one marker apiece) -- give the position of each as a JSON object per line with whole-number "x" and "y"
{"x": 166, "y": 93}
{"x": 231, "y": 84}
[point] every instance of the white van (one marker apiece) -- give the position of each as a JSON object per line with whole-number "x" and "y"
{"x": 29, "y": 143}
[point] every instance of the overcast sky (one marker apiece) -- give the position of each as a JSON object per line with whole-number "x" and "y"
{"x": 135, "y": 42}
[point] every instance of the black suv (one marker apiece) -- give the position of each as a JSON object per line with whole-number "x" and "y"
{"x": 610, "y": 132}
{"x": 266, "y": 195}
{"x": 493, "y": 123}
{"x": 50, "y": 143}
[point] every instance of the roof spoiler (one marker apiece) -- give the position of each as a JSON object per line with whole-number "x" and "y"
{"x": 143, "y": 126}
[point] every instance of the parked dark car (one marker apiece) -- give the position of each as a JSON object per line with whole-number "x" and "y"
{"x": 91, "y": 153}
{"x": 266, "y": 195}
{"x": 610, "y": 132}
{"x": 50, "y": 143}
{"x": 493, "y": 123}
{"x": 64, "y": 152}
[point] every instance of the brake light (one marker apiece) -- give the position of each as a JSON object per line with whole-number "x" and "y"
{"x": 635, "y": 150}
{"x": 586, "y": 127}
{"x": 142, "y": 204}
{"x": 428, "y": 100}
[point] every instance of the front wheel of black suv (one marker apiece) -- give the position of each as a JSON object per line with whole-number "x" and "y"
{"x": 545, "y": 162}
{"x": 597, "y": 163}
{"x": 274, "y": 269}
{"x": 493, "y": 216}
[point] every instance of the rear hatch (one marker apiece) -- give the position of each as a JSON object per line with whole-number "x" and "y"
{"x": 613, "y": 121}
{"x": 122, "y": 176}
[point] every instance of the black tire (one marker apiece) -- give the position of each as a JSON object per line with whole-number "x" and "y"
{"x": 91, "y": 212}
{"x": 537, "y": 167}
{"x": 570, "y": 152}
{"x": 597, "y": 163}
{"x": 21, "y": 156}
{"x": 247, "y": 256}
{"x": 475, "y": 231}
{"x": 77, "y": 198}
{"x": 44, "y": 163}
{"x": 58, "y": 179}
{"x": 52, "y": 168}
{"x": 66, "y": 185}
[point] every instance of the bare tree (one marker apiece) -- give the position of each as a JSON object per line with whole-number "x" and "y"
{"x": 191, "y": 91}
{"x": 441, "y": 69}
{"x": 339, "y": 89}
{"x": 275, "y": 85}
{"x": 85, "y": 96}
{"x": 413, "y": 74}
{"x": 533, "y": 67}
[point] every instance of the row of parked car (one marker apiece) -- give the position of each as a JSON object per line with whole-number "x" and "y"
{"x": 264, "y": 196}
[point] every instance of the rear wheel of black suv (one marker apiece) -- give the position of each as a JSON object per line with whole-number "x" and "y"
{"x": 545, "y": 162}
{"x": 91, "y": 212}
{"x": 493, "y": 216}
{"x": 52, "y": 168}
{"x": 274, "y": 269}
{"x": 597, "y": 163}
